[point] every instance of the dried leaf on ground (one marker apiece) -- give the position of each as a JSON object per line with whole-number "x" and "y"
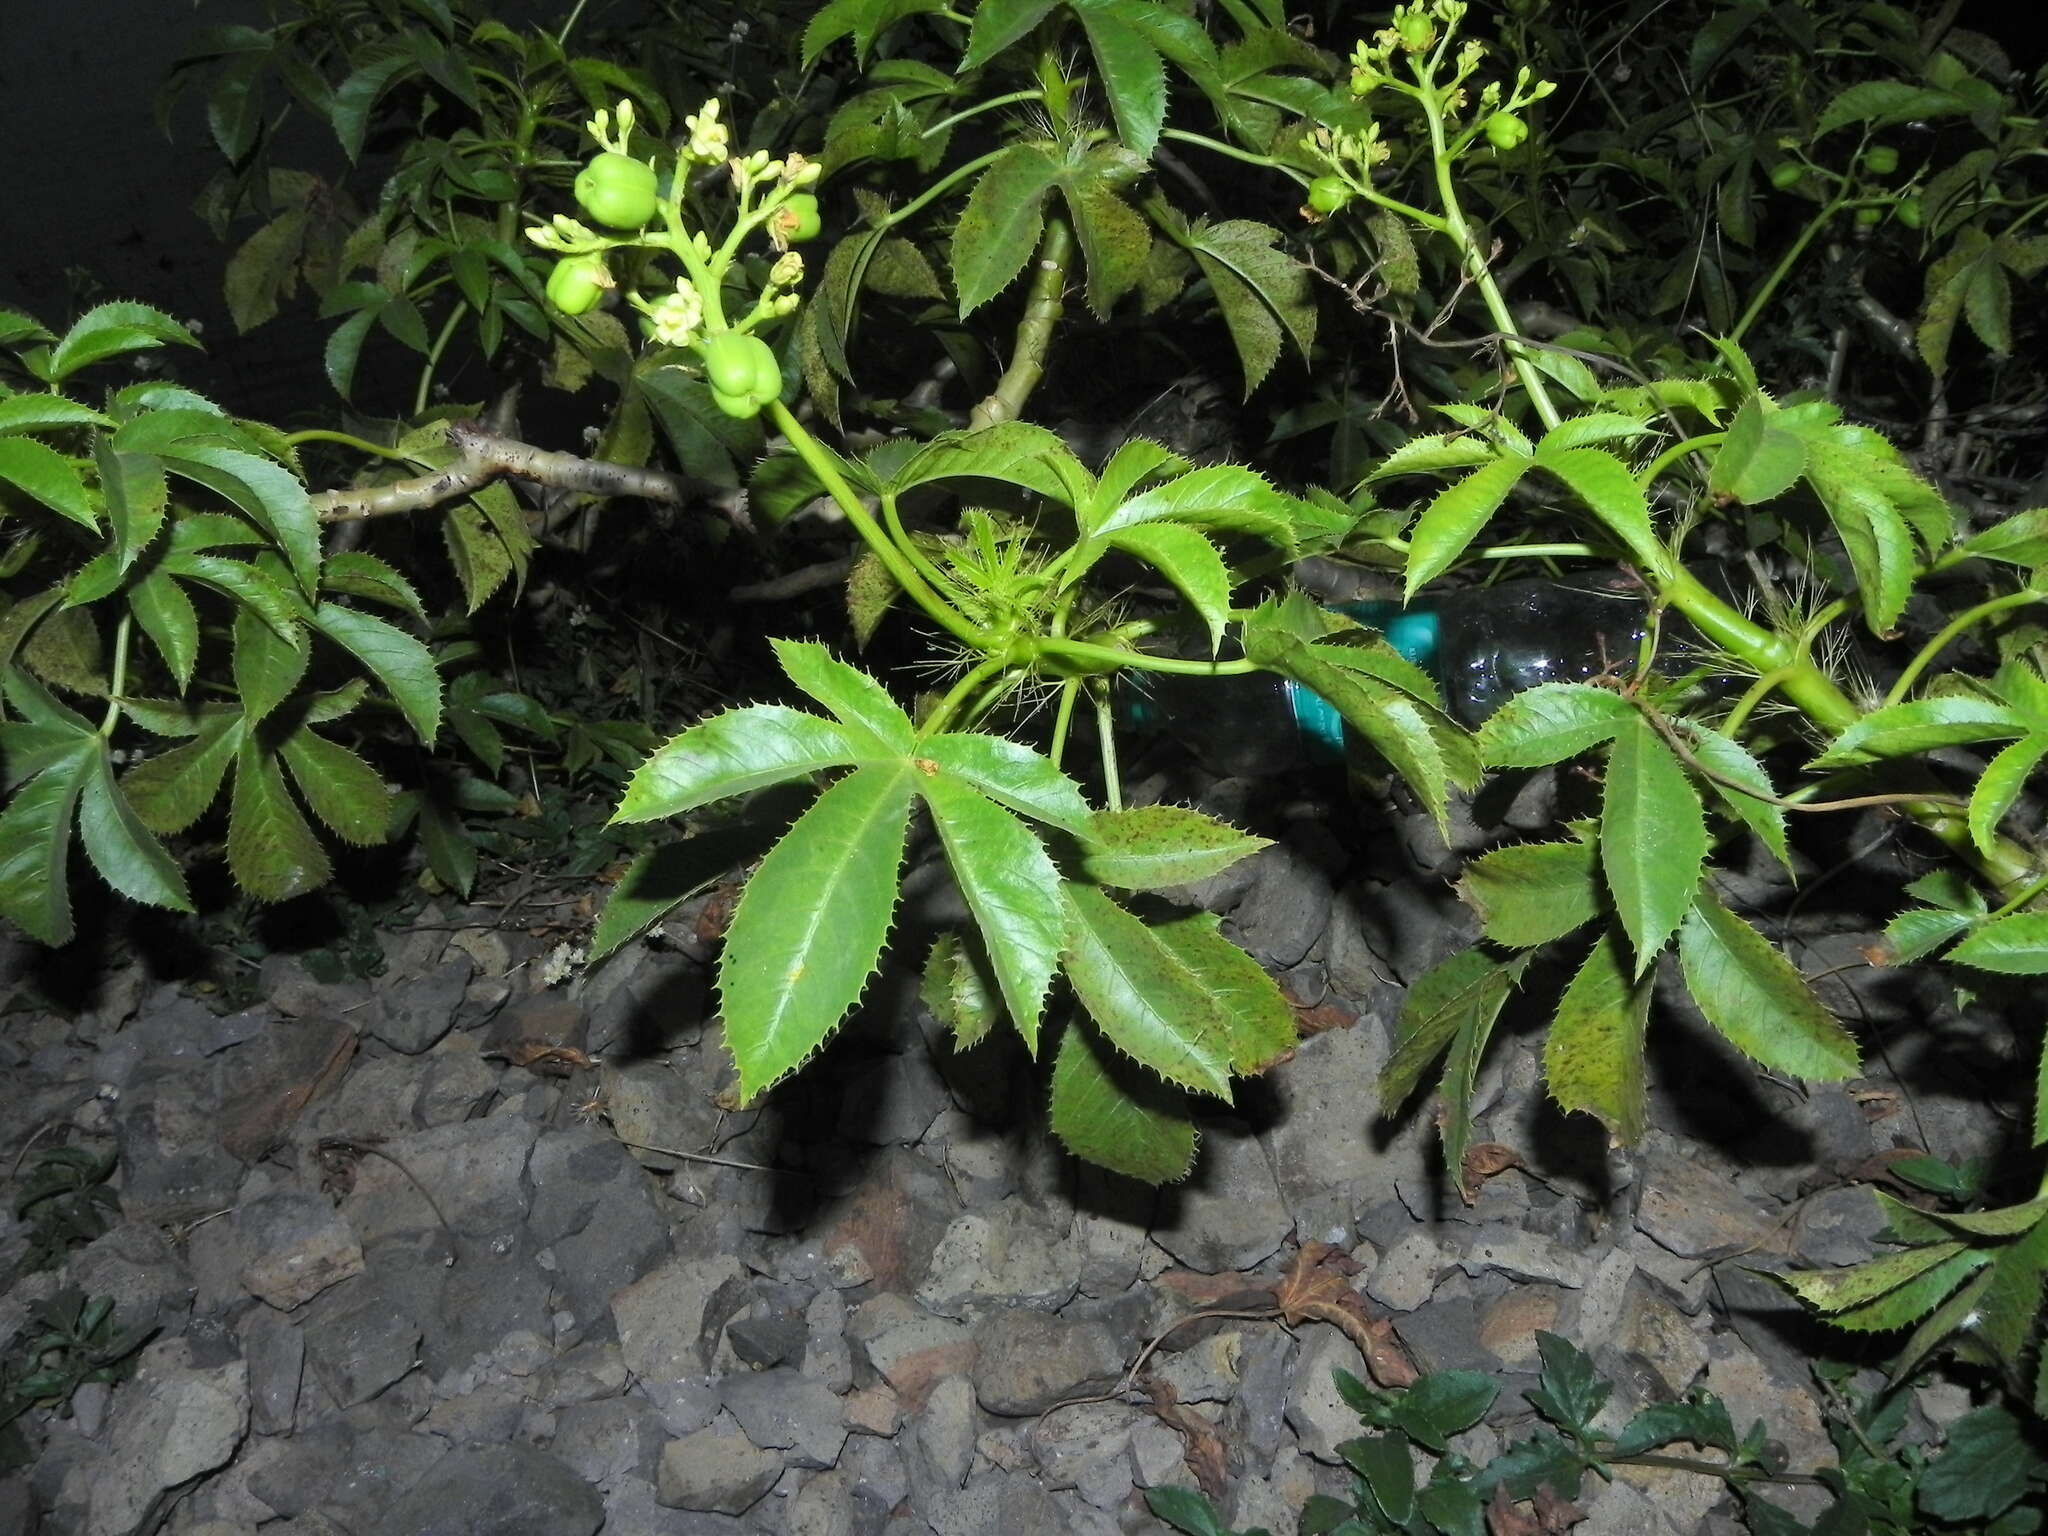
{"x": 1317, "y": 1288}
{"x": 1204, "y": 1447}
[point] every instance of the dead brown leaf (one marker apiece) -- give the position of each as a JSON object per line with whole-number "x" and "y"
{"x": 546, "y": 1057}
{"x": 1317, "y": 1288}
{"x": 1204, "y": 1447}
{"x": 1482, "y": 1160}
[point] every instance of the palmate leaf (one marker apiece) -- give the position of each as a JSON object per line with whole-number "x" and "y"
{"x": 1836, "y": 1290}
{"x": 1653, "y": 839}
{"x": 657, "y": 881}
{"x": 1188, "y": 560}
{"x": 859, "y": 703}
{"x": 344, "y": 791}
{"x": 1012, "y": 774}
{"x": 267, "y": 667}
{"x": 35, "y": 842}
{"x": 1225, "y": 497}
{"x": 272, "y": 852}
{"x": 109, "y": 330}
{"x": 122, "y": 848}
{"x": 1758, "y": 459}
{"x": 2010, "y": 1310}
{"x": 1753, "y": 996}
{"x": 1922, "y": 725}
{"x": 1608, "y": 489}
{"x": 1452, "y": 1006}
{"x": 1133, "y": 73}
{"x": 2000, "y": 785}
{"x": 1115, "y": 1117}
{"x": 2016, "y": 945}
{"x": 1593, "y": 1056}
{"x": 1145, "y": 1000}
{"x": 173, "y": 789}
{"x": 732, "y": 753}
{"x": 1114, "y": 238}
{"x": 46, "y": 476}
{"x": 1152, "y": 847}
{"x": 1455, "y": 517}
{"x": 1010, "y": 885}
{"x": 809, "y": 927}
{"x": 1000, "y": 226}
{"x": 401, "y": 663}
{"x": 1729, "y": 760}
{"x": 269, "y": 493}
{"x": 1907, "y": 1304}
{"x": 1256, "y": 1014}
{"x": 861, "y": 20}
{"x": 1533, "y": 893}
{"x": 959, "y": 990}
{"x": 1262, "y": 291}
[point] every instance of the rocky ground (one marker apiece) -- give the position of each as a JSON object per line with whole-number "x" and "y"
{"x": 472, "y": 1247}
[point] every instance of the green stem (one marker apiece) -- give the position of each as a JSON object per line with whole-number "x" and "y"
{"x": 1063, "y": 717}
{"x": 894, "y": 522}
{"x": 990, "y": 105}
{"x": 347, "y": 440}
{"x": 822, "y": 464}
{"x": 1043, "y": 307}
{"x": 1217, "y": 146}
{"x": 1088, "y": 657}
{"x": 425, "y": 392}
{"x": 1105, "y": 733}
{"x": 2027, "y": 893}
{"x": 1647, "y": 476}
{"x": 943, "y": 712}
{"x": 1949, "y": 631}
{"x": 117, "y": 679}
{"x": 1481, "y": 273}
{"x": 575, "y": 13}
{"x": 941, "y": 187}
{"x": 1537, "y": 551}
{"x": 1783, "y": 270}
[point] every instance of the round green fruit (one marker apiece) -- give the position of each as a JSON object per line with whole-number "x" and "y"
{"x": 577, "y": 283}
{"x": 1880, "y": 160}
{"x": 1912, "y": 213}
{"x": 617, "y": 190}
{"x": 1326, "y": 194}
{"x": 797, "y": 220}
{"x": 1867, "y": 217}
{"x": 742, "y": 373}
{"x": 1787, "y": 174}
{"x": 1504, "y": 130}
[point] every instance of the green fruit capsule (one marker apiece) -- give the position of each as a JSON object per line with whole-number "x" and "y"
{"x": 1867, "y": 217}
{"x": 1504, "y": 130}
{"x": 577, "y": 283}
{"x": 1880, "y": 160}
{"x": 741, "y": 371}
{"x": 1326, "y": 194}
{"x": 1787, "y": 174}
{"x": 797, "y": 220}
{"x": 618, "y": 191}
{"x": 1912, "y": 213}
{"x": 1415, "y": 30}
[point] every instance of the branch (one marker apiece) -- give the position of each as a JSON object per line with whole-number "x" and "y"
{"x": 486, "y": 457}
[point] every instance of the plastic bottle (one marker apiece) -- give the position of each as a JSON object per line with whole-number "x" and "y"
{"x": 1482, "y": 645}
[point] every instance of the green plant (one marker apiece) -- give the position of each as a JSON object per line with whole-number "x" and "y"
{"x": 1987, "y": 1478}
{"x": 70, "y": 1340}
{"x": 66, "y": 1202}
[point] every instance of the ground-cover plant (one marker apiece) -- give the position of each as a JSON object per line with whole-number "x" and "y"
{"x": 65, "y": 1201}
{"x": 70, "y": 1340}
{"x": 1985, "y": 1478}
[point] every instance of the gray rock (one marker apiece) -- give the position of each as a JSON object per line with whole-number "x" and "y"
{"x": 382, "y": 1466}
{"x": 412, "y": 1018}
{"x": 827, "y": 1357}
{"x": 776, "y": 1339}
{"x": 1838, "y": 1226}
{"x": 909, "y": 1349}
{"x": 299, "y": 1471}
{"x": 661, "y": 1318}
{"x": 459, "y": 1082}
{"x": 1257, "y": 1415}
{"x": 824, "y": 1506}
{"x": 942, "y": 1445}
{"x": 373, "y": 1105}
{"x": 1026, "y": 1361}
{"x": 1231, "y": 1214}
{"x": 609, "y": 1440}
{"x": 276, "y": 1354}
{"x": 1014, "y": 1253}
{"x": 1605, "y": 1297}
{"x": 592, "y": 1369}
{"x": 1525, "y": 1256}
{"x": 893, "y": 1098}
{"x": 784, "y": 1410}
{"x": 1352, "y": 945}
{"x": 1321, "y": 1419}
{"x": 1407, "y": 1272}
{"x": 360, "y": 1340}
{"x": 488, "y": 1414}
{"x": 173, "y": 1166}
{"x": 1444, "y": 1336}
{"x": 601, "y": 1214}
{"x": 981, "y": 1163}
{"x": 1286, "y": 908}
{"x": 476, "y": 1170}
{"x": 634, "y": 1509}
{"x": 1693, "y": 1210}
{"x": 172, "y": 1424}
{"x": 1330, "y": 1162}
{"x": 716, "y": 1469}
{"x": 1087, "y": 1448}
{"x": 646, "y": 996}
{"x": 298, "y": 1247}
{"x": 1658, "y": 1333}
{"x": 496, "y": 1490}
